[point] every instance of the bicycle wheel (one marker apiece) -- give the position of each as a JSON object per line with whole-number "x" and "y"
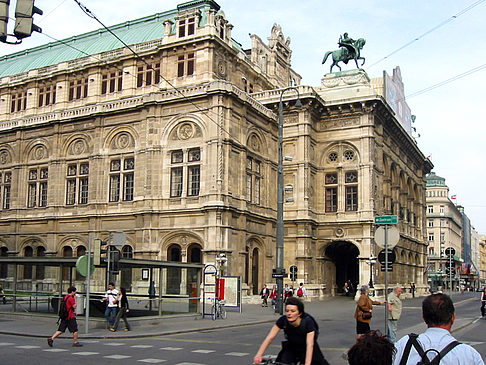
{"x": 222, "y": 312}
{"x": 214, "y": 311}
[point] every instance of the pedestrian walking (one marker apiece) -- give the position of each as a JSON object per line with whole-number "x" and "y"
{"x": 438, "y": 314}
{"x": 111, "y": 298}
{"x": 346, "y": 289}
{"x": 264, "y": 293}
{"x": 364, "y": 310}
{"x": 301, "y": 291}
{"x": 301, "y": 332}
{"x": 122, "y": 310}
{"x": 2, "y": 295}
{"x": 395, "y": 311}
{"x": 483, "y": 303}
{"x": 151, "y": 293}
{"x": 371, "y": 349}
{"x": 273, "y": 296}
{"x": 412, "y": 289}
{"x": 70, "y": 321}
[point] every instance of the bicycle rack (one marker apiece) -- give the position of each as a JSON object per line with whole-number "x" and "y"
{"x": 210, "y": 274}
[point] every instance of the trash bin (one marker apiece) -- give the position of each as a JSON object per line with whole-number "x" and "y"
{"x": 79, "y": 304}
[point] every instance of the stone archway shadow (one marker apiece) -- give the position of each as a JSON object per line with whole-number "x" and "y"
{"x": 344, "y": 255}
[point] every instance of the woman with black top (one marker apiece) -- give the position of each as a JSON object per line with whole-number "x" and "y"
{"x": 124, "y": 309}
{"x": 301, "y": 333}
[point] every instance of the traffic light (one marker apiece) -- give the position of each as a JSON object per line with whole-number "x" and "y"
{"x": 3, "y": 19}
{"x": 24, "y": 23}
{"x": 293, "y": 276}
{"x": 98, "y": 250}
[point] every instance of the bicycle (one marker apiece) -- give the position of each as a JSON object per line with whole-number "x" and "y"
{"x": 271, "y": 360}
{"x": 217, "y": 310}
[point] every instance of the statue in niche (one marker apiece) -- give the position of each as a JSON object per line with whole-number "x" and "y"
{"x": 349, "y": 50}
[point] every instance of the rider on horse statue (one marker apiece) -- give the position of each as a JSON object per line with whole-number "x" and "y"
{"x": 349, "y": 50}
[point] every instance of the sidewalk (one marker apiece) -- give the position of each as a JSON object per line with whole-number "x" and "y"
{"x": 36, "y": 325}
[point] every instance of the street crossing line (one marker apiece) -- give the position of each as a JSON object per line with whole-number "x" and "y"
{"x": 114, "y": 344}
{"x": 6, "y": 343}
{"x": 240, "y": 354}
{"x": 142, "y": 346}
{"x": 28, "y": 347}
{"x": 86, "y": 353}
{"x": 152, "y": 361}
{"x": 54, "y": 350}
{"x": 203, "y": 351}
{"x": 117, "y": 357}
{"x": 171, "y": 348}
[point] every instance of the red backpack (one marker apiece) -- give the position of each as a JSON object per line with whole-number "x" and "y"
{"x": 300, "y": 292}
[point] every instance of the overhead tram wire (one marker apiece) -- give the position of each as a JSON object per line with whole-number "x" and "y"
{"x": 463, "y": 11}
{"x": 206, "y": 112}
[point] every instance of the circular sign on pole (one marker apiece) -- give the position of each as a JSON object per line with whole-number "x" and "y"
{"x": 393, "y": 236}
{"x": 82, "y": 266}
{"x": 391, "y": 257}
{"x": 450, "y": 251}
{"x": 293, "y": 269}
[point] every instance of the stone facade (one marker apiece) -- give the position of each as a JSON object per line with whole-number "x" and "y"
{"x": 178, "y": 149}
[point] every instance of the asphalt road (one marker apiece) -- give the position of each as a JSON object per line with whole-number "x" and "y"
{"x": 235, "y": 346}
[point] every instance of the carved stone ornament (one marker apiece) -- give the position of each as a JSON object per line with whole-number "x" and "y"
{"x": 39, "y": 152}
{"x": 5, "y": 157}
{"x": 255, "y": 143}
{"x": 339, "y": 232}
{"x": 185, "y": 131}
{"x": 122, "y": 141}
{"x": 78, "y": 147}
{"x": 345, "y": 78}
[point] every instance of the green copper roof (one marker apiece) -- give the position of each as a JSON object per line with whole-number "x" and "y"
{"x": 434, "y": 180}
{"x": 131, "y": 32}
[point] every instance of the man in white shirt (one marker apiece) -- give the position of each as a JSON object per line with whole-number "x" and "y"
{"x": 438, "y": 314}
{"x": 395, "y": 311}
{"x": 111, "y": 297}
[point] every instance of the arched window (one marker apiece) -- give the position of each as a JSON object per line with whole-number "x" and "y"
{"x": 40, "y": 270}
{"x": 67, "y": 251}
{"x": 174, "y": 273}
{"x": 194, "y": 253}
{"x": 80, "y": 251}
{"x": 28, "y": 252}
{"x": 3, "y": 267}
{"x": 127, "y": 252}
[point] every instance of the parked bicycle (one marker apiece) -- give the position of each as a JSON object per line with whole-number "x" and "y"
{"x": 217, "y": 310}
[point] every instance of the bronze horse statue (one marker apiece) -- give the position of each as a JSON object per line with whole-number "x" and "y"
{"x": 346, "y": 53}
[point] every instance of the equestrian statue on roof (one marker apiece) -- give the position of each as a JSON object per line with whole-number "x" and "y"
{"x": 349, "y": 50}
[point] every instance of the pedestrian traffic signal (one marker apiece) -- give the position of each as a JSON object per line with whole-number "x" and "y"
{"x": 3, "y": 19}
{"x": 24, "y": 22}
{"x": 293, "y": 276}
{"x": 115, "y": 256}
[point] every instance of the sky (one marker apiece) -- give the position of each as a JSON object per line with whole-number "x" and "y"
{"x": 439, "y": 40}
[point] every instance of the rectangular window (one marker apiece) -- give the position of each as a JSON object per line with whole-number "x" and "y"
{"x": 78, "y": 89}
{"x": 182, "y": 28}
{"x": 194, "y": 180}
{"x": 430, "y": 209}
{"x": 176, "y": 182}
{"x": 111, "y": 82}
{"x": 5, "y": 181}
{"x": 77, "y": 183}
{"x": 431, "y": 237}
{"x": 187, "y": 26}
{"x": 185, "y": 65}
{"x": 351, "y": 198}
{"x": 47, "y": 95}
{"x": 253, "y": 180}
{"x": 431, "y": 223}
{"x": 37, "y": 188}
{"x": 19, "y": 101}
{"x": 122, "y": 171}
{"x": 331, "y": 200}
{"x": 148, "y": 74}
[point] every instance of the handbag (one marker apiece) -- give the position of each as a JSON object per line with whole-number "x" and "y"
{"x": 367, "y": 315}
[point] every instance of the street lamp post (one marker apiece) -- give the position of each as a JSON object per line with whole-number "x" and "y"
{"x": 280, "y": 270}
{"x": 441, "y": 248}
{"x": 371, "y": 262}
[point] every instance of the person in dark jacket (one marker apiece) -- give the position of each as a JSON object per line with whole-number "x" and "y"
{"x": 300, "y": 331}
{"x": 264, "y": 293}
{"x": 124, "y": 309}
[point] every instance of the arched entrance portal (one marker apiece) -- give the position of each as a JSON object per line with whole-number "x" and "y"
{"x": 344, "y": 255}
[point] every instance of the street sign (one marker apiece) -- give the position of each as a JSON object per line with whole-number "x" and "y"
{"x": 386, "y": 219}
{"x": 293, "y": 269}
{"x": 118, "y": 239}
{"x": 391, "y": 257}
{"x": 279, "y": 275}
{"x": 450, "y": 251}
{"x": 82, "y": 265}
{"x": 393, "y": 236}
{"x": 390, "y": 268}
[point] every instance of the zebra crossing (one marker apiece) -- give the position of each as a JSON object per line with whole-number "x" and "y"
{"x": 158, "y": 354}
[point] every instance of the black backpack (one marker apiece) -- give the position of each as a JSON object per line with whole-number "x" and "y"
{"x": 424, "y": 360}
{"x": 63, "y": 311}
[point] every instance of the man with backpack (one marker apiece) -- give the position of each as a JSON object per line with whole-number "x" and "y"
{"x": 436, "y": 345}
{"x": 301, "y": 291}
{"x": 67, "y": 318}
